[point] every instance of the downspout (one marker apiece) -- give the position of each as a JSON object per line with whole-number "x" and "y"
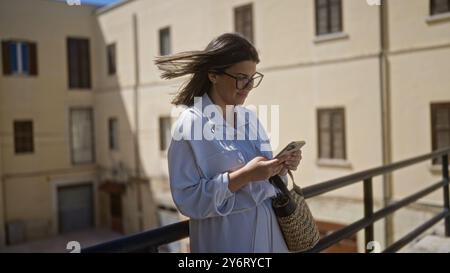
{"x": 3, "y": 204}
{"x": 137, "y": 161}
{"x": 386, "y": 119}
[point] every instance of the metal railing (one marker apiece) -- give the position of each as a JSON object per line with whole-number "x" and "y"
{"x": 149, "y": 241}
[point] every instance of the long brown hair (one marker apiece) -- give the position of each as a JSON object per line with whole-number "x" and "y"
{"x": 221, "y": 53}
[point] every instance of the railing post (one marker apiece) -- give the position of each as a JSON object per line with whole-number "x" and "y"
{"x": 368, "y": 211}
{"x": 446, "y": 193}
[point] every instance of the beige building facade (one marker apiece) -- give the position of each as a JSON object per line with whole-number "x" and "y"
{"x": 378, "y": 71}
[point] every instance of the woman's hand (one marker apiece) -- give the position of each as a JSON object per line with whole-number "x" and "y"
{"x": 259, "y": 168}
{"x": 291, "y": 163}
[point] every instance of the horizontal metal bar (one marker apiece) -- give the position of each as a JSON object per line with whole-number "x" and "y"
{"x": 142, "y": 241}
{"x": 167, "y": 234}
{"x": 340, "y": 182}
{"x": 416, "y": 232}
{"x": 351, "y": 229}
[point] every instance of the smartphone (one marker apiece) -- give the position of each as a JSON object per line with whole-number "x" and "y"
{"x": 291, "y": 147}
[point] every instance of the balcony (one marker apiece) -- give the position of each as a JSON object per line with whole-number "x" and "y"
{"x": 151, "y": 241}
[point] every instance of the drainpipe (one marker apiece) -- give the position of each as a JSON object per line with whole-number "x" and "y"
{"x": 3, "y": 207}
{"x": 386, "y": 119}
{"x": 137, "y": 161}
{"x": 3, "y": 204}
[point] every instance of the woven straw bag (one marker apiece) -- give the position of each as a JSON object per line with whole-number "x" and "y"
{"x": 297, "y": 224}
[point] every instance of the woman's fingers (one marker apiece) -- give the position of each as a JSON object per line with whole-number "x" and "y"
{"x": 283, "y": 171}
{"x": 283, "y": 158}
{"x": 276, "y": 161}
{"x": 273, "y": 166}
{"x": 293, "y": 162}
{"x": 277, "y": 170}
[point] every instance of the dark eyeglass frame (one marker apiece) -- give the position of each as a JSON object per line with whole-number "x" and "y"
{"x": 252, "y": 78}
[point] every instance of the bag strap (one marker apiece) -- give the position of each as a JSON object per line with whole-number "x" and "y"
{"x": 296, "y": 187}
{"x": 279, "y": 183}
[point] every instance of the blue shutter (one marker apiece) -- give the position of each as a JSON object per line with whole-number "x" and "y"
{"x": 13, "y": 57}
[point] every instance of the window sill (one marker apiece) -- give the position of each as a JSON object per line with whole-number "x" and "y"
{"x": 23, "y": 153}
{"x": 330, "y": 37}
{"x": 84, "y": 164}
{"x": 337, "y": 163}
{"x": 437, "y": 18}
{"x": 80, "y": 89}
{"x": 20, "y": 75}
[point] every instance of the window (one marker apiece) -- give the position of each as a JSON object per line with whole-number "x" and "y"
{"x": 328, "y": 16}
{"x": 440, "y": 127}
{"x": 113, "y": 133}
{"x": 82, "y": 135}
{"x": 23, "y": 137}
{"x": 164, "y": 133}
{"x": 164, "y": 41}
{"x": 439, "y": 6}
{"x": 331, "y": 133}
{"x": 19, "y": 58}
{"x": 243, "y": 21}
{"x": 111, "y": 57}
{"x": 79, "y": 64}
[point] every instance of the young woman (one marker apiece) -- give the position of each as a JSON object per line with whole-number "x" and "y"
{"x": 221, "y": 182}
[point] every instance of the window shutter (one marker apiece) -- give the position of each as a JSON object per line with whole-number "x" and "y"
{"x": 324, "y": 134}
{"x": 443, "y": 127}
{"x": 111, "y": 59}
{"x": 440, "y": 6}
{"x": 5, "y": 58}
{"x": 72, "y": 66}
{"x": 82, "y": 51}
{"x": 23, "y": 137}
{"x": 338, "y": 135}
{"x": 87, "y": 64}
{"x": 243, "y": 21}
{"x": 82, "y": 136}
{"x": 442, "y": 118}
{"x": 321, "y": 17}
{"x": 79, "y": 63}
{"x": 335, "y": 16}
{"x": 33, "y": 59}
{"x": 249, "y": 23}
{"x": 83, "y": 66}
{"x": 440, "y": 127}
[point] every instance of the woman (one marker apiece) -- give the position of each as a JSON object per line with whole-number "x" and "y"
{"x": 221, "y": 183}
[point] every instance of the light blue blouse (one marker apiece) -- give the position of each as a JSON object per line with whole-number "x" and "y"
{"x": 222, "y": 221}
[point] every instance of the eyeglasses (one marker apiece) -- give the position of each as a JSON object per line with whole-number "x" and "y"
{"x": 243, "y": 83}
